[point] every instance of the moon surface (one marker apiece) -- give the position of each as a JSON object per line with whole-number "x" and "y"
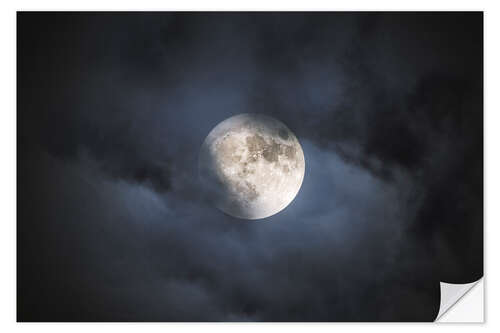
{"x": 251, "y": 165}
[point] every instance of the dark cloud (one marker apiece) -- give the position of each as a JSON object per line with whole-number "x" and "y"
{"x": 113, "y": 108}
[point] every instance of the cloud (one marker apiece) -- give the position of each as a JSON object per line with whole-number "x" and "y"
{"x": 112, "y": 224}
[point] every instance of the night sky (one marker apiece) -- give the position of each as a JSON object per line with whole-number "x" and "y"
{"x": 113, "y": 108}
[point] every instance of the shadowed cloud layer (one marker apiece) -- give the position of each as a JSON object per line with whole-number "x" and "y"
{"x": 112, "y": 111}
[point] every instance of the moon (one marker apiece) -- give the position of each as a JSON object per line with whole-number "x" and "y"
{"x": 251, "y": 165}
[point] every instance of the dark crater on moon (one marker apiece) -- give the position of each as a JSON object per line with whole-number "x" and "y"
{"x": 257, "y": 146}
{"x": 283, "y": 133}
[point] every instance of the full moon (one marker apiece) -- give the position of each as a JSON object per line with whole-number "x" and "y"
{"x": 251, "y": 165}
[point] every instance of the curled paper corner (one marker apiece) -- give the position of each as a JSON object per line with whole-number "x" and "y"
{"x": 452, "y": 294}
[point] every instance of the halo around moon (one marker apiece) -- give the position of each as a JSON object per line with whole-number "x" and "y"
{"x": 251, "y": 165}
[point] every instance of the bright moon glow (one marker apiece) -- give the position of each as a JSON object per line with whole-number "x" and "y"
{"x": 252, "y": 165}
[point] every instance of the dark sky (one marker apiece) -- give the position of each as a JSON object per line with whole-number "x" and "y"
{"x": 112, "y": 111}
